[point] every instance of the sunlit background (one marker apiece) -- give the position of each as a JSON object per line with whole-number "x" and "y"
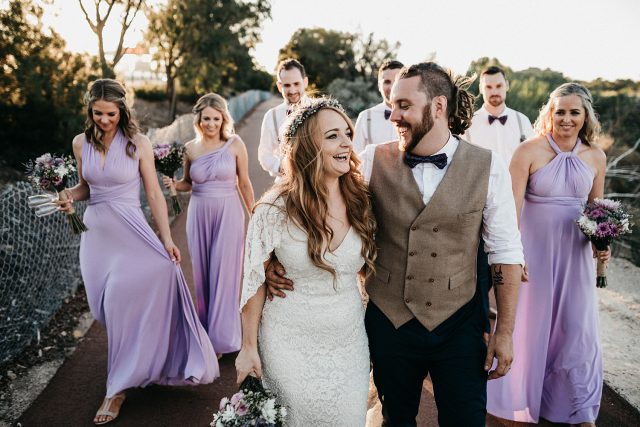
{"x": 584, "y": 39}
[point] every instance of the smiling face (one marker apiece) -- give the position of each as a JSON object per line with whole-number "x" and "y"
{"x": 493, "y": 88}
{"x": 385, "y": 81}
{"x": 411, "y": 113}
{"x": 568, "y": 116}
{"x": 335, "y": 135}
{"x": 210, "y": 123}
{"x": 106, "y": 115}
{"x": 292, "y": 85}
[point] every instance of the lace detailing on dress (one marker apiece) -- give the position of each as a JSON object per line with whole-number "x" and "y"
{"x": 263, "y": 236}
{"x": 313, "y": 344}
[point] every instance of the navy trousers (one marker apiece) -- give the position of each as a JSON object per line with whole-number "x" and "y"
{"x": 453, "y": 354}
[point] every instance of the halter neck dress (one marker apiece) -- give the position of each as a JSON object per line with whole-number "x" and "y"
{"x": 557, "y": 370}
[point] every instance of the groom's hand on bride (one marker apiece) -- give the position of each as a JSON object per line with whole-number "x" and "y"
{"x": 500, "y": 347}
{"x": 275, "y": 279}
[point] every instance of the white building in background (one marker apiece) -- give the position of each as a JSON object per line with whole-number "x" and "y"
{"x": 136, "y": 67}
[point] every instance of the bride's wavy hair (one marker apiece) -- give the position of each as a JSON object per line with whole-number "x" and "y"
{"x": 113, "y": 91}
{"x": 305, "y": 193}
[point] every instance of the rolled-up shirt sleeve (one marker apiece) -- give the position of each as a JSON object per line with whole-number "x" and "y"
{"x": 500, "y": 232}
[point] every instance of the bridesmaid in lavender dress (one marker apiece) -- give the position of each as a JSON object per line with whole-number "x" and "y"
{"x": 134, "y": 284}
{"x": 216, "y": 162}
{"x": 557, "y": 368}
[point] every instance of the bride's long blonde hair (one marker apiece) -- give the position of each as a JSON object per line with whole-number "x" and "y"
{"x": 305, "y": 193}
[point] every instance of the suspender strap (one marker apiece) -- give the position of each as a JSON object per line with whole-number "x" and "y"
{"x": 368, "y": 127}
{"x": 522, "y": 135}
{"x": 275, "y": 123}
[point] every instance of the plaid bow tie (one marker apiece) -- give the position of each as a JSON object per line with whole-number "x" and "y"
{"x": 387, "y": 114}
{"x": 502, "y": 119}
{"x": 439, "y": 160}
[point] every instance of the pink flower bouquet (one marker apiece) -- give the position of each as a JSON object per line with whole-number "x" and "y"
{"x": 168, "y": 159}
{"x": 602, "y": 221}
{"x": 253, "y": 405}
{"x": 49, "y": 172}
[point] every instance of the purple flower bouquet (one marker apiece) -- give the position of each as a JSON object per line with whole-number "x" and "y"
{"x": 49, "y": 172}
{"x": 168, "y": 159}
{"x": 602, "y": 221}
{"x": 253, "y": 405}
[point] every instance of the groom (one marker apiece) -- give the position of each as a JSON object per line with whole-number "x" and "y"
{"x": 434, "y": 195}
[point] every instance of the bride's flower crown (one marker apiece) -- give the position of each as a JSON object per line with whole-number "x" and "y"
{"x": 303, "y": 112}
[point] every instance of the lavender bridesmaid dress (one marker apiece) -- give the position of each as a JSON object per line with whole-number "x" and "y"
{"x": 133, "y": 287}
{"x": 557, "y": 370}
{"x": 215, "y": 229}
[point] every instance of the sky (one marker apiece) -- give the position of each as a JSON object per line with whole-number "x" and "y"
{"x": 584, "y": 39}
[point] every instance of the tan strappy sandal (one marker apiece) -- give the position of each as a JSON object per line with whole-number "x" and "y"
{"x": 106, "y": 410}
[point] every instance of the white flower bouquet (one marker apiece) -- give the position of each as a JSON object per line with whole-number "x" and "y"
{"x": 253, "y": 405}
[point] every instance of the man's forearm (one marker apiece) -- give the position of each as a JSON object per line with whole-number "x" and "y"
{"x": 506, "y": 282}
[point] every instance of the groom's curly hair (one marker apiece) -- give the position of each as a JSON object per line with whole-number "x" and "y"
{"x": 305, "y": 193}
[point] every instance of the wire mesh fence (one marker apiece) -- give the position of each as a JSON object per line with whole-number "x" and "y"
{"x": 39, "y": 268}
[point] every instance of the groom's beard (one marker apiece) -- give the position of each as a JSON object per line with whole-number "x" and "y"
{"x": 419, "y": 131}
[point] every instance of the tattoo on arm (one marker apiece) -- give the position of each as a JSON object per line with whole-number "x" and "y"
{"x": 496, "y": 274}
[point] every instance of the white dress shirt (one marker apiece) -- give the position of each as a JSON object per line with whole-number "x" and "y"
{"x": 501, "y": 139}
{"x": 269, "y": 154}
{"x": 382, "y": 130}
{"x": 499, "y": 224}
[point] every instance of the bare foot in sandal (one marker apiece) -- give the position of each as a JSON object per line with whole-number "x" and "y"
{"x": 109, "y": 409}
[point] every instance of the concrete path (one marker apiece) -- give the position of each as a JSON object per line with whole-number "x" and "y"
{"x": 77, "y": 389}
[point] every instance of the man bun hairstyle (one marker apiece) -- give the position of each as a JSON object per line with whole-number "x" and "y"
{"x": 436, "y": 81}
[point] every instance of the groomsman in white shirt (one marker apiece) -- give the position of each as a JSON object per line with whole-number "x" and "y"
{"x": 292, "y": 82}
{"x": 496, "y": 126}
{"x": 373, "y": 125}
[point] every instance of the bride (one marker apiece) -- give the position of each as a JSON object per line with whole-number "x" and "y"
{"x": 311, "y": 347}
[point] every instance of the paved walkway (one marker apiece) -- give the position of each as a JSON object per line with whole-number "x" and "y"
{"x": 77, "y": 389}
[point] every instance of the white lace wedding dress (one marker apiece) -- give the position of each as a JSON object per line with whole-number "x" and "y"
{"x": 313, "y": 343}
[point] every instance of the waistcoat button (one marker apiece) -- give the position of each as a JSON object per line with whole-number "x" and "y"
{"x": 407, "y": 300}
{"x": 435, "y": 229}
{"x": 410, "y": 277}
{"x": 414, "y": 227}
{"x": 431, "y": 280}
{"x": 412, "y": 253}
{"x": 428, "y": 303}
{"x": 433, "y": 254}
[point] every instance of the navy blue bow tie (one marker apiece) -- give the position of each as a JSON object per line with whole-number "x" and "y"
{"x": 387, "y": 114}
{"x": 502, "y": 119}
{"x": 439, "y": 160}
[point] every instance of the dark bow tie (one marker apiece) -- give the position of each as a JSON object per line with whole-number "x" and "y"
{"x": 387, "y": 114}
{"x": 439, "y": 160}
{"x": 289, "y": 111}
{"x": 502, "y": 119}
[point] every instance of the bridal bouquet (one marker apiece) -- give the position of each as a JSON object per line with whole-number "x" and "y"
{"x": 602, "y": 221}
{"x": 168, "y": 159}
{"x": 253, "y": 405}
{"x": 49, "y": 172}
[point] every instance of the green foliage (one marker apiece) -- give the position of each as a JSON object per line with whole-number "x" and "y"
{"x": 354, "y": 95}
{"x": 328, "y": 55}
{"x": 205, "y": 43}
{"x": 41, "y": 86}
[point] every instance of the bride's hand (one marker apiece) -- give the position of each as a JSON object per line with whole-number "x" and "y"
{"x": 248, "y": 362}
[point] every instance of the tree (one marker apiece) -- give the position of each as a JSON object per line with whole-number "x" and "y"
{"x": 205, "y": 44}
{"x": 41, "y": 86}
{"x": 131, "y": 8}
{"x": 371, "y": 53}
{"x": 354, "y": 95}
{"x": 325, "y": 54}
